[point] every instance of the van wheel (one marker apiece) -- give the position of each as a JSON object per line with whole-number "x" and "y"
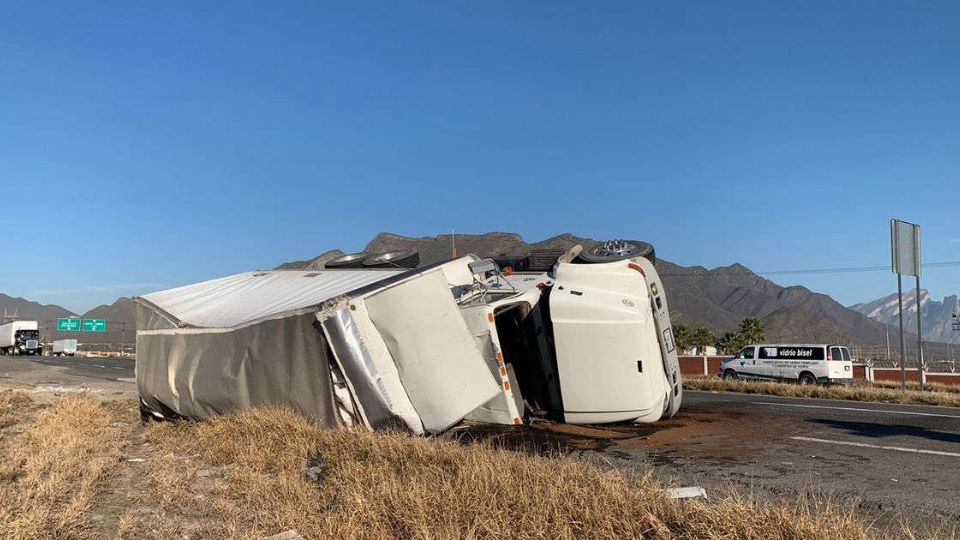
{"x": 730, "y": 374}
{"x": 807, "y": 379}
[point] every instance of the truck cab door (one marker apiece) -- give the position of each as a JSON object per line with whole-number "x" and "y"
{"x": 608, "y": 352}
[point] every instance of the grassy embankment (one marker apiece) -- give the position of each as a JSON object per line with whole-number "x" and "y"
{"x": 939, "y": 395}
{"x": 64, "y": 469}
{"x": 53, "y": 465}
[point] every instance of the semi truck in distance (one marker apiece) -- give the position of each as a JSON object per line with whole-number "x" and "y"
{"x": 64, "y": 347}
{"x": 20, "y": 337}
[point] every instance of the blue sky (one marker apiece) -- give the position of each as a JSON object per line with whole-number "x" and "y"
{"x": 148, "y": 145}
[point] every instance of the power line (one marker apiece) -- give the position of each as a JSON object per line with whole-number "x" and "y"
{"x": 852, "y": 269}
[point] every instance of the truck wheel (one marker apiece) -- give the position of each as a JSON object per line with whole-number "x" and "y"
{"x": 730, "y": 374}
{"x": 807, "y": 379}
{"x": 3, "y": 351}
{"x": 619, "y": 250}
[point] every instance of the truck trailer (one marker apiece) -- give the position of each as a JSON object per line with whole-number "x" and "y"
{"x": 64, "y": 347}
{"x": 20, "y": 337}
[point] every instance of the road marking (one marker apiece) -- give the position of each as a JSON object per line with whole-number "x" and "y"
{"x": 857, "y": 409}
{"x": 865, "y": 445}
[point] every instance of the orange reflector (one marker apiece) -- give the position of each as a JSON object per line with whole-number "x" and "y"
{"x": 490, "y": 317}
{"x": 517, "y": 421}
{"x": 506, "y": 385}
{"x": 541, "y": 286}
{"x": 503, "y": 372}
{"x": 637, "y": 268}
{"x": 500, "y": 356}
{"x": 508, "y": 271}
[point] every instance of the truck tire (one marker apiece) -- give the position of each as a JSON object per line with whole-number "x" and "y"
{"x": 730, "y": 374}
{"x": 351, "y": 260}
{"x": 807, "y": 379}
{"x": 394, "y": 259}
{"x": 618, "y": 250}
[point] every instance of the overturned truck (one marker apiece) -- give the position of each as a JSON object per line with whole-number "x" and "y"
{"x": 421, "y": 350}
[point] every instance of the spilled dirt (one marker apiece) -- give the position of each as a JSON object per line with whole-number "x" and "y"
{"x": 693, "y": 432}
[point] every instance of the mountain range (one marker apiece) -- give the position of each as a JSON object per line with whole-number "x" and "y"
{"x": 937, "y": 322}
{"x": 121, "y": 327}
{"x": 717, "y": 298}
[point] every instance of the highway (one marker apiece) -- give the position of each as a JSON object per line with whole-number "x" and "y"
{"x": 82, "y": 366}
{"x": 47, "y": 377}
{"x": 890, "y": 459}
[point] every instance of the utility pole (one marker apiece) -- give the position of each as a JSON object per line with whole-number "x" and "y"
{"x": 886, "y": 328}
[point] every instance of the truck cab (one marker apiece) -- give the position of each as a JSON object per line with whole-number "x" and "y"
{"x": 20, "y": 337}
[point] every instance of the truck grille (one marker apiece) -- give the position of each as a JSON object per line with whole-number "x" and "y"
{"x": 32, "y": 343}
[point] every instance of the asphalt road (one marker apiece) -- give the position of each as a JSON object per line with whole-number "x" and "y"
{"x": 892, "y": 460}
{"x": 47, "y": 377}
{"x": 82, "y": 366}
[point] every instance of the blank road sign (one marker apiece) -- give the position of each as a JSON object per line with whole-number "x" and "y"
{"x": 94, "y": 325}
{"x": 905, "y": 247}
{"x": 68, "y": 325}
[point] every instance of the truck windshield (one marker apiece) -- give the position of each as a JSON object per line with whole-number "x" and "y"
{"x": 29, "y": 334}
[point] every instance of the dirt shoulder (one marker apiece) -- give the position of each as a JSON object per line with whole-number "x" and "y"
{"x": 859, "y": 391}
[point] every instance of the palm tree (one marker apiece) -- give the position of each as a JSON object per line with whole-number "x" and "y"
{"x": 682, "y": 337}
{"x": 731, "y": 343}
{"x": 702, "y": 338}
{"x": 752, "y": 331}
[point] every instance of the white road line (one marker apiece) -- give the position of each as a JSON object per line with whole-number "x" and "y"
{"x": 865, "y": 445}
{"x": 857, "y": 409}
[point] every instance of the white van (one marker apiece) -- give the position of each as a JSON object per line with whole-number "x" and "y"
{"x": 804, "y": 363}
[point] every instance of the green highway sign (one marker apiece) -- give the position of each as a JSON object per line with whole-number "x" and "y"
{"x": 68, "y": 325}
{"x": 94, "y": 325}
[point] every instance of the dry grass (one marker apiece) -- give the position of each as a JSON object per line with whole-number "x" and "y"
{"x": 11, "y": 401}
{"x": 242, "y": 476}
{"x": 51, "y": 472}
{"x": 940, "y": 387}
{"x": 856, "y": 392}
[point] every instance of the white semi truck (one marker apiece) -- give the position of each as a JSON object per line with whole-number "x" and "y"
{"x": 588, "y": 343}
{"x": 20, "y": 337}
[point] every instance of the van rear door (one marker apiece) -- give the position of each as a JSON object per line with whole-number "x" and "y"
{"x": 840, "y": 365}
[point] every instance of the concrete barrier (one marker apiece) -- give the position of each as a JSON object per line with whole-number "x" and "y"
{"x": 893, "y": 375}
{"x": 700, "y": 366}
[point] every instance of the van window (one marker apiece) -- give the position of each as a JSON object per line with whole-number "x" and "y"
{"x": 791, "y": 353}
{"x": 747, "y": 353}
{"x": 835, "y": 354}
{"x": 846, "y": 353}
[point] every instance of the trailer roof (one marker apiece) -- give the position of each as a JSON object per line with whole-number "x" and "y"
{"x": 246, "y": 297}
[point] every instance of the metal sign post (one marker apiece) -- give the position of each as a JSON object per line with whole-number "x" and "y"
{"x": 905, "y": 257}
{"x": 903, "y": 344}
